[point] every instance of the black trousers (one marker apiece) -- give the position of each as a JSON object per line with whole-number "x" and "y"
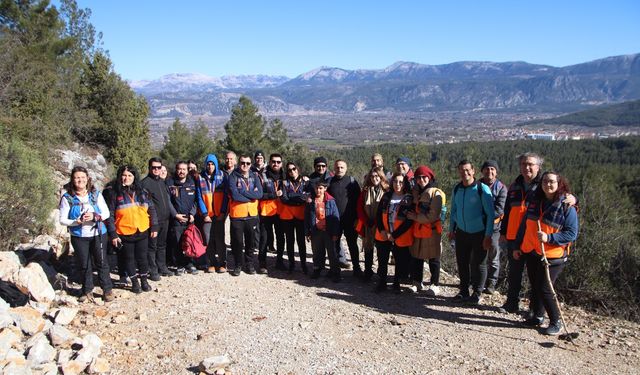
{"x": 514, "y": 276}
{"x": 541, "y": 293}
{"x": 269, "y": 224}
{"x": 417, "y": 270}
{"x": 135, "y": 250}
{"x": 157, "y": 252}
{"x": 214, "y": 237}
{"x": 294, "y": 232}
{"x": 472, "y": 261}
{"x": 350, "y": 234}
{"x": 243, "y": 233}
{"x": 90, "y": 250}
{"x": 402, "y": 258}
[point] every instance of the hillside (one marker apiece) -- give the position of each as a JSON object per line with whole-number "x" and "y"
{"x": 623, "y": 114}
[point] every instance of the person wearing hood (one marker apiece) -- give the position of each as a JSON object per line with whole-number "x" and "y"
{"x": 244, "y": 190}
{"x": 212, "y": 188}
{"x": 132, "y": 224}
{"x": 268, "y": 207}
{"x": 159, "y": 193}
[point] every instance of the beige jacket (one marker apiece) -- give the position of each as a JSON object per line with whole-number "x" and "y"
{"x": 427, "y": 248}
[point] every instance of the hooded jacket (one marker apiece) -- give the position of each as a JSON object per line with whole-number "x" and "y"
{"x": 212, "y": 189}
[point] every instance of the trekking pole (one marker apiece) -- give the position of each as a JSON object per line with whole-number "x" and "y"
{"x": 567, "y": 335}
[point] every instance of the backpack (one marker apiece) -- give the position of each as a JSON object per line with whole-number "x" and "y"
{"x": 443, "y": 211}
{"x": 191, "y": 243}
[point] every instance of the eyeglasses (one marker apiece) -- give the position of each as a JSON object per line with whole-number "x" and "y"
{"x": 291, "y": 169}
{"x": 321, "y": 165}
{"x": 156, "y": 167}
{"x": 276, "y": 161}
{"x": 245, "y": 163}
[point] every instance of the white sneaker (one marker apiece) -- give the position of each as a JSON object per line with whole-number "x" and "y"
{"x": 433, "y": 290}
{"x": 416, "y": 287}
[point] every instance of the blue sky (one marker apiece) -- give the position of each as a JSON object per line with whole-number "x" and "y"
{"x": 147, "y": 39}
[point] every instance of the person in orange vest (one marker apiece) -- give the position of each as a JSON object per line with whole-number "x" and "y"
{"x": 394, "y": 232}
{"x": 244, "y": 190}
{"x": 428, "y": 202}
{"x": 489, "y": 172}
{"x": 518, "y": 196}
{"x": 268, "y": 208}
{"x": 132, "y": 223}
{"x": 292, "y": 203}
{"x": 322, "y": 229}
{"x": 375, "y": 185}
{"x": 211, "y": 186}
{"x": 550, "y": 221}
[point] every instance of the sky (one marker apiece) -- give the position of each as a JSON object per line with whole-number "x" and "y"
{"x": 148, "y": 39}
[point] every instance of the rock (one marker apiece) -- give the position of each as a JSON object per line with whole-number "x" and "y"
{"x": 9, "y": 338}
{"x": 32, "y": 279}
{"x": 131, "y": 343}
{"x": 5, "y": 319}
{"x": 64, "y": 356}
{"x": 60, "y": 336}
{"x": 45, "y": 368}
{"x": 65, "y": 315}
{"x": 27, "y": 319}
{"x": 99, "y": 366}
{"x": 52, "y": 275}
{"x": 41, "y": 351}
{"x": 9, "y": 264}
{"x": 91, "y": 346}
{"x": 73, "y": 367}
{"x": 64, "y": 299}
{"x": 101, "y": 312}
{"x": 119, "y": 319}
{"x": 4, "y": 306}
{"x": 212, "y": 364}
{"x": 42, "y": 307}
{"x": 13, "y": 355}
{"x": 17, "y": 367}
{"x": 142, "y": 317}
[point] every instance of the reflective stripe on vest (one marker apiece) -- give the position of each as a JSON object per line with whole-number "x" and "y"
{"x": 405, "y": 239}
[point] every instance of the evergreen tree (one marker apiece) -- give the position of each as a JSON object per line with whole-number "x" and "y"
{"x": 201, "y": 143}
{"x": 177, "y": 143}
{"x": 244, "y": 129}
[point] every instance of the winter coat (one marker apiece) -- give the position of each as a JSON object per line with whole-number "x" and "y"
{"x": 428, "y": 205}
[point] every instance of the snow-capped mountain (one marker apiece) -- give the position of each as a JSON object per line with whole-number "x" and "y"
{"x": 180, "y": 82}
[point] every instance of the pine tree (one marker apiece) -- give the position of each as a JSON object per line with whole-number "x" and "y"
{"x": 177, "y": 143}
{"x": 245, "y": 128}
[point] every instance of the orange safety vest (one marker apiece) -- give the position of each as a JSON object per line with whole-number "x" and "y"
{"x": 405, "y": 239}
{"x": 269, "y": 207}
{"x": 516, "y": 213}
{"x": 132, "y": 217}
{"x": 238, "y": 210}
{"x": 531, "y": 242}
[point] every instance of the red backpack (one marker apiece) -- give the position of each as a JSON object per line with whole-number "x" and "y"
{"x": 192, "y": 244}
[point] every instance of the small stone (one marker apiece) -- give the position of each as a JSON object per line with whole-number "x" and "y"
{"x": 60, "y": 336}
{"x": 65, "y": 315}
{"x": 27, "y": 319}
{"x": 131, "y": 343}
{"x": 73, "y": 367}
{"x": 49, "y": 368}
{"x": 142, "y": 317}
{"x": 119, "y": 319}
{"x": 99, "y": 366}
{"x": 212, "y": 364}
{"x": 101, "y": 312}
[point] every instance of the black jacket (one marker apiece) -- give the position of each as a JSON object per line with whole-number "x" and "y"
{"x": 159, "y": 192}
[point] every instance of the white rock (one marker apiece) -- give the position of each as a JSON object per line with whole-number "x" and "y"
{"x": 27, "y": 319}
{"x": 17, "y": 367}
{"x": 32, "y": 279}
{"x": 73, "y": 367}
{"x": 4, "y": 306}
{"x": 64, "y": 356}
{"x": 42, "y": 307}
{"x": 91, "y": 345}
{"x": 9, "y": 264}
{"x": 99, "y": 366}
{"x": 41, "y": 351}
{"x": 67, "y": 300}
{"x": 8, "y": 339}
{"x": 5, "y": 319}
{"x": 60, "y": 335}
{"x": 212, "y": 364}
{"x": 45, "y": 368}
{"x": 65, "y": 315}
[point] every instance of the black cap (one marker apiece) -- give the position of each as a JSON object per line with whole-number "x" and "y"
{"x": 258, "y": 153}
{"x": 320, "y": 160}
{"x": 490, "y": 163}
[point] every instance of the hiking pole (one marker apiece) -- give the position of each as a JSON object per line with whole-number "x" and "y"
{"x": 567, "y": 336}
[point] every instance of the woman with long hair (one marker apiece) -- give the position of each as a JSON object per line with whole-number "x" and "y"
{"x": 394, "y": 232}
{"x": 552, "y": 224}
{"x": 375, "y": 185}
{"x": 82, "y": 210}
{"x": 293, "y": 201}
{"x": 134, "y": 220}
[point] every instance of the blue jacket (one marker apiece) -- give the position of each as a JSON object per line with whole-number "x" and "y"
{"x": 471, "y": 211}
{"x": 331, "y": 213}
{"x": 184, "y": 196}
{"x": 75, "y": 210}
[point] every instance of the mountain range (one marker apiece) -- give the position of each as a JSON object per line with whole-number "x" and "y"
{"x": 404, "y": 87}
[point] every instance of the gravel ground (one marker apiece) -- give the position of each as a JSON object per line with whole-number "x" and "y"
{"x": 285, "y": 323}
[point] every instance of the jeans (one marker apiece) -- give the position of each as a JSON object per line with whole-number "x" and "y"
{"x": 417, "y": 270}
{"x": 472, "y": 261}
{"x": 322, "y": 246}
{"x": 157, "y": 252}
{"x": 90, "y": 250}
{"x": 243, "y": 238}
{"x": 294, "y": 232}
{"x": 493, "y": 261}
{"x": 402, "y": 257}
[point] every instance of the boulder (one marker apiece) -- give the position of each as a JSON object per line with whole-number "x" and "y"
{"x": 99, "y": 366}
{"x": 27, "y": 319}
{"x": 9, "y": 338}
{"x": 91, "y": 346}
{"x": 65, "y": 315}
{"x": 17, "y": 367}
{"x": 32, "y": 279}
{"x": 60, "y": 336}
{"x": 212, "y": 364}
{"x": 41, "y": 351}
{"x": 9, "y": 265}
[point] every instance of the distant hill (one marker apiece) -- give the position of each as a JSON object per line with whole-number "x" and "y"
{"x": 405, "y": 87}
{"x": 623, "y": 114}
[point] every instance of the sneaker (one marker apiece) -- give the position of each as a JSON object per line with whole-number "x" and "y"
{"x": 474, "y": 300}
{"x": 135, "y": 286}
{"x": 236, "y": 271}
{"x": 192, "y": 270}
{"x": 489, "y": 290}
{"x": 508, "y": 308}
{"x": 179, "y": 271}
{"x": 155, "y": 277}
{"x": 433, "y": 290}
{"x": 535, "y": 321}
{"x": 108, "y": 296}
{"x": 345, "y": 265}
{"x": 221, "y": 269}
{"x": 263, "y": 270}
{"x": 316, "y": 274}
{"x": 460, "y": 298}
{"x": 554, "y": 328}
{"x": 211, "y": 269}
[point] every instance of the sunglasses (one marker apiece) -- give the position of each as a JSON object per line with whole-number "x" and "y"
{"x": 321, "y": 165}
{"x": 156, "y": 167}
{"x": 245, "y": 163}
{"x": 276, "y": 161}
{"x": 291, "y": 169}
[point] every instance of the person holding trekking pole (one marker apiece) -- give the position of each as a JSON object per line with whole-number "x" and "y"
{"x": 545, "y": 235}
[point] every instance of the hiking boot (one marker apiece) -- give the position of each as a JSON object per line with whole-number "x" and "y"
{"x": 86, "y": 297}
{"x": 489, "y": 290}
{"x": 304, "y": 268}
{"x": 124, "y": 281}
{"x": 250, "y": 270}
{"x": 280, "y": 265}
{"x": 236, "y": 271}
{"x": 155, "y": 277}
{"x": 396, "y": 288}
{"x": 367, "y": 275}
{"x": 460, "y": 297}
{"x": 108, "y": 296}
{"x": 145, "y": 284}
{"x": 474, "y": 300}
{"x": 221, "y": 269}
{"x": 554, "y": 328}
{"x": 135, "y": 286}
{"x": 508, "y": 308}
{"x": 166, "y": 273}
{"x": 357, "y": 273}
{"x": 291, "y": 268}
{"x": 432, "y": 291}
{"x": 316, "y": 274}
{"x": 535, "y": 321}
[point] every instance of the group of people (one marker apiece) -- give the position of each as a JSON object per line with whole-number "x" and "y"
{"x": 272, "y": 206}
